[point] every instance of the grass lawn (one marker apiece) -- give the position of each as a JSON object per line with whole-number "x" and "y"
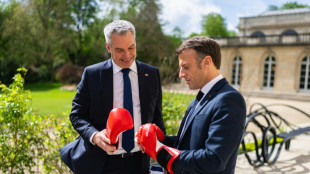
{"x": 182, "y": 98}
{"x": 47, "y": 98}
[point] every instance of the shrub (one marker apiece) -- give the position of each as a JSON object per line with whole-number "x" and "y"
{"x": 29, "y": 142}
{"x": 37, "y": 73}
{"x": 60, "y": 134}
{"x": 20, "y": 130}
{"x": 70, "y": 73}
{"x": 173, "y": 111}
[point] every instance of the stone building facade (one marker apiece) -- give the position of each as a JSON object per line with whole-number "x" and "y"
{"x": 271, "y": 55}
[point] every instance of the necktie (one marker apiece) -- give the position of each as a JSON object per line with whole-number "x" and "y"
{"x": 128, "y": 136}
{"x": 198, "y": 98}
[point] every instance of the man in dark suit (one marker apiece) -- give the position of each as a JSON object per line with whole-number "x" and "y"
{"x": 210, "y": 132}
{"x": 102, "y": 88}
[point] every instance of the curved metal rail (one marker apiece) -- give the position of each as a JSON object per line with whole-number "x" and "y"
{"x": 269, "y": 123}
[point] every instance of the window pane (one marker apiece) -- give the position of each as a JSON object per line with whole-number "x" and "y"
{"x": 304, "y": 81}
{"x": 236, "y": 69}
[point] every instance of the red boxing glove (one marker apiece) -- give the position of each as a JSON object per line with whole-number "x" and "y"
{"x": 148, "y": 136}
{"x": 119, "y": 121}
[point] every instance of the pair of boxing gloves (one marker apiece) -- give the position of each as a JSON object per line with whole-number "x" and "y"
{"x": 148, "y": 135}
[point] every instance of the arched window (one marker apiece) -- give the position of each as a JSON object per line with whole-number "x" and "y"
{"x": 304, "y": 82}
{"x": 289, "y": 32}
{"x": 258, "y": 34}
{"x": 236, "y": 71}
{"x": 269, "y": 72}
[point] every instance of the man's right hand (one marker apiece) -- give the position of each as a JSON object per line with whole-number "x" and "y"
{"x": 119, "y": 120}
{"x": 147, "y": 138}
{"x": 103, "y": 142}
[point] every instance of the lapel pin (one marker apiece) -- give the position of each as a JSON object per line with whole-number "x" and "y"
{"x": 146, "y": 75}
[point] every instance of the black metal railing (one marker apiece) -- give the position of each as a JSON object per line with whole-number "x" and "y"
{"x": 272, "y": 132}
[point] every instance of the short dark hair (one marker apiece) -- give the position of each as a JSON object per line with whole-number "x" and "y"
{"x": 204, "y": 46}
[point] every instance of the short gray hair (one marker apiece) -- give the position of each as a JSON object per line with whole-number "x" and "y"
{"x": 120, "y": 27}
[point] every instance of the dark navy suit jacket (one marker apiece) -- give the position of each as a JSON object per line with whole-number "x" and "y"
{"x": 213, "y": 133}
{"x": 90, "y": 109}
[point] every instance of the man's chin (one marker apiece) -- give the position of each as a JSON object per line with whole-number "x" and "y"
{"x": 190, "y": 87}
{"x": 126, "y": 64}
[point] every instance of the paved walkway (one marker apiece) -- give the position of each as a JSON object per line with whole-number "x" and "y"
{"x": 294, "y": 161}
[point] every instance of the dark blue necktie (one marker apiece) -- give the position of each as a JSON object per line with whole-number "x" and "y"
{"x": 128, "y": 136}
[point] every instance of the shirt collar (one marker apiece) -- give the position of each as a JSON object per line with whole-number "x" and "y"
{"x": 117, "y": 69}
{"x": 210, "y": 84}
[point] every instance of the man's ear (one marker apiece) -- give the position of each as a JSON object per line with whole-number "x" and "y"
{"x": 207, "y": 61}
{"x": 108, "y": 47}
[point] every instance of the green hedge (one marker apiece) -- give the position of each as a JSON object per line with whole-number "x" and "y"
{"x": 173, "y": 110}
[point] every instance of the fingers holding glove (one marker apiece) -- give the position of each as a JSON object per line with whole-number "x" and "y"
{"x": 103, "y": 142}
{"x": 119, "y": 120}
{"x": 148, "y": 138}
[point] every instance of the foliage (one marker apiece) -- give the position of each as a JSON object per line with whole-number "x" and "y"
{"x": 292, "y": 5}
{"x": 70, "y": 73}
{"x": 83, "y": 13}
{"x": 173, "y": 109}
{"x": 43, "y": 35}
{"x": 19, "y": 128}
{"x": 169, "y": 67}
{"x": 43, "y": 32}
{"x": 214, "y": 25}
{"x": 193, "y": 34}
{"x": 59, "y": 134}
{"x": 251, "y": 145}
{"x": 6, "y": 64}
{"x": 288, "y": 5}
{"x": 152, "y": 45}
{"x": 29, "y": 142}
{"x": 273, "y": 7}
{"x": 37, "y": 73}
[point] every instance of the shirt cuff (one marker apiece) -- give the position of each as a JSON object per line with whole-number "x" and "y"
{"x": 91, "y": 138}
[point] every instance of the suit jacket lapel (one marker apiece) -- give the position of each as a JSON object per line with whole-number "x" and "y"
{"x": 192, "y": 116}
{"x": 203, "y": 103}
{"x": 183, "y": 122}
{"x": 107, "y": 85}
{"x": 142, "y": 87}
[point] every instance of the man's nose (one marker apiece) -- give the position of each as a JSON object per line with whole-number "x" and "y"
{"x": 181, "y": 74}
{"x": 127, "y": 54}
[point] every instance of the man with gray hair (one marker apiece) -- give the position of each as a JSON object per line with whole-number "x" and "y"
{"x": 120, "y": 82}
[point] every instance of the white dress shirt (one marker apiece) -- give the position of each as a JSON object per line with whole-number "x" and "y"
{"x": 205, "y": 89}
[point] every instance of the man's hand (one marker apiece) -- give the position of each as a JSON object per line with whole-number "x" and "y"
{"x": 147, "y": 138}
{"x": 119, "y": 121}
{"x": 103, "y": 142}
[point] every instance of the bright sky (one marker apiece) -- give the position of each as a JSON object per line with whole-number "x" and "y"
{"x": 187, "y": 14}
